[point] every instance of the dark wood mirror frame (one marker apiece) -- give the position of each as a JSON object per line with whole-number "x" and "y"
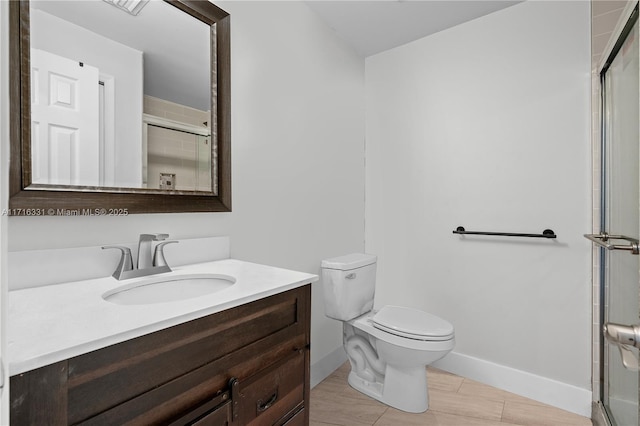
{"x": 28, "y": 199}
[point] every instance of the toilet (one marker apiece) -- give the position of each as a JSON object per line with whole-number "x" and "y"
{"x": 390, "y": 348}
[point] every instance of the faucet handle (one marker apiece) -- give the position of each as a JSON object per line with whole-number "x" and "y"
{"x": 126, "y": 261}
{"x": 145, "y": 258}
{"x": 158, "y": 255}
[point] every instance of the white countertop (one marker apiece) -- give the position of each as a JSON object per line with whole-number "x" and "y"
{"x": 55, "y": 322}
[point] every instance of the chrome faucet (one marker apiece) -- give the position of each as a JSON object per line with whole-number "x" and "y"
{"x": 147, "y": 264}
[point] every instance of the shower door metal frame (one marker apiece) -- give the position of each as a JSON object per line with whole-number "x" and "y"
{"x": 601, "y": 412}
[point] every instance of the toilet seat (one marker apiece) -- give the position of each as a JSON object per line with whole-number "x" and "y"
{"x": 412, "y": 324}
{"x": 365, "y": 324}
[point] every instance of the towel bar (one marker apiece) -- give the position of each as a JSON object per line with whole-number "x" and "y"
{"x": 547, "y": 233}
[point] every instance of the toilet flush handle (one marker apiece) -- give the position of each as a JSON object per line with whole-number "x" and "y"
{"x": 351, "y": 276}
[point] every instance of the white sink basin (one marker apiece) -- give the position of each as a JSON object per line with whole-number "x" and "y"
{"x": 168, "y": 289}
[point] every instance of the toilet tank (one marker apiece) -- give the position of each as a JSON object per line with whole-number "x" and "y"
{"x": 349, "y": 284}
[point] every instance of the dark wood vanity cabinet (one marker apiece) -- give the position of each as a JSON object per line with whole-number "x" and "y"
{"x": 243, "y": 366}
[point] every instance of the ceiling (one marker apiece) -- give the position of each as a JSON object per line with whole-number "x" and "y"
{"x": 372, "y": 27}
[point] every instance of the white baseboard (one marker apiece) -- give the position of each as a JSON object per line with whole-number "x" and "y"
{"x": 322, "y": 369}
{"x": 548, "y": 391}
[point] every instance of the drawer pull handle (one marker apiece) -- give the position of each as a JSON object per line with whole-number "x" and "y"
{"x": 264, "y": 406}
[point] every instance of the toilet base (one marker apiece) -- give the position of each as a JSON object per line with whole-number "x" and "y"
{"x": 371, "y": 389}
{"x": 404, "y": 389}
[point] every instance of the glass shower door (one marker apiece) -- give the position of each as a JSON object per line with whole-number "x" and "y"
{"x": 621, "y": 213}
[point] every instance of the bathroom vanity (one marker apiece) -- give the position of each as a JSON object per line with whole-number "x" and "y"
{"x": 236, "y": 357}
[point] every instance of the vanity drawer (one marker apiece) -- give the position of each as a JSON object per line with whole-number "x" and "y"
{"x": 269, "y": 396}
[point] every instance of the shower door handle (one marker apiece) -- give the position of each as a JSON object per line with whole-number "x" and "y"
{"x": 603, "y": 240}
{"x": 624, "y": 336}
{"x": 628, "y": 335}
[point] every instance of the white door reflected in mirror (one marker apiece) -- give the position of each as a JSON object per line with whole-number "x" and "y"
{"x": 64, "y": 121}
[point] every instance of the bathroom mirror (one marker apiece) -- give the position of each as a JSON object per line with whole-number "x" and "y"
{"x": 117, "y": 111}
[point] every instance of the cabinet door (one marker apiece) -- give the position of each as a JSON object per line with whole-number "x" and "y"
{"x": 273, "y": 393}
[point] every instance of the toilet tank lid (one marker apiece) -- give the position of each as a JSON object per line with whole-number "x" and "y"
{"x": 349, "y": 261}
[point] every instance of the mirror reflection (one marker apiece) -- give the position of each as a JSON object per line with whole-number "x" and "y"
{"x": 117, "y": 100}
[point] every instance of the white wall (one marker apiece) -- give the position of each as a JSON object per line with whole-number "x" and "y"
{"x": 486, "y": 126}
{"x": 124, "y": 64}
{"x": 297, "y": 157}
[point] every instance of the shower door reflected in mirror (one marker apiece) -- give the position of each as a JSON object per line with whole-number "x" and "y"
{"x": 620, "y": 209}
{"x": 177, "y": 159}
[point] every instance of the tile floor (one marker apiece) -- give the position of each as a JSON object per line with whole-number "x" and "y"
{"x": 454, "y": 401}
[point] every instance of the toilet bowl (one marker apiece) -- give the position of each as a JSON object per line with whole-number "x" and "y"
{"x": 389, "y": 348}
